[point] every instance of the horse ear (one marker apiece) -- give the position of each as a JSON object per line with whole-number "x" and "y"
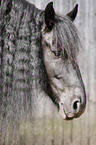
{"x": 49, "y": 15}
{"x": 73, "y": 13}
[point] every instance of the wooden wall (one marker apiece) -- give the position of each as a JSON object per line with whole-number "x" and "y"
{"x": 51, "y": 129}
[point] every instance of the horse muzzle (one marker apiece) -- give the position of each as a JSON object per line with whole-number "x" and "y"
{"x": 72, "y": 108}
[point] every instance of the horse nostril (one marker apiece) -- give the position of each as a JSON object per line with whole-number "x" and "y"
{"x": 76, "y": 105}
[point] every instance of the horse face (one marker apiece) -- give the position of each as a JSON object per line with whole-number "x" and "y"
{"x": 64, "y": 74}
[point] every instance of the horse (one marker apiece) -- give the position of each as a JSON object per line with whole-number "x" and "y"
{"x": 38, "y": 53}
{"x": 38, "y": 57}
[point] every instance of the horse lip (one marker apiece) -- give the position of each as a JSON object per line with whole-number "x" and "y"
{"x": 63, "y": 113}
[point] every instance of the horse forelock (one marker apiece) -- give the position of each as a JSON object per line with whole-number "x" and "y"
{"x": 66, "y": 37}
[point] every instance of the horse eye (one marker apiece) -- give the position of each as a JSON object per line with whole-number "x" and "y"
{"x": 57, "y": 53}
{"x": 58, "y": 77}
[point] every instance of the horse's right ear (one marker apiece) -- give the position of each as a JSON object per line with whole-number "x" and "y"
{"x": 72, "y": 15}
{"x": 49, "y": 15}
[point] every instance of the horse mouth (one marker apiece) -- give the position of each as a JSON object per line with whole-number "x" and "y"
{"x": 63, "y": 113}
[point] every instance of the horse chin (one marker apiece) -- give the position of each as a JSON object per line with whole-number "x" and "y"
{"x": 63, "y": 113}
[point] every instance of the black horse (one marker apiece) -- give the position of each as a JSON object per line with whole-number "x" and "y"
{"x": 38, "y": 53}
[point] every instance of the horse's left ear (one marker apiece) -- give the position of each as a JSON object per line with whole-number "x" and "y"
{"x": 49, "y": 15}
{"x": 73, "y": 13}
